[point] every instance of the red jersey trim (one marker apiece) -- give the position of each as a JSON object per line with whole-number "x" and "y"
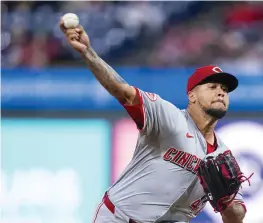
{"x": 137, "y": 112}
{"x": 211, "y": 148}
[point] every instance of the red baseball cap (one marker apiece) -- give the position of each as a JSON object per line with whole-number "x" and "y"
{"x": 211, "y": 74}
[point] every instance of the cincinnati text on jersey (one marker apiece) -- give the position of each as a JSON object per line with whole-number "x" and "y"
{"x": 183, "y": 159}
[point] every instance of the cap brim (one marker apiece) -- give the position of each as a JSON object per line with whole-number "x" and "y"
{"x": 225, "y": 78}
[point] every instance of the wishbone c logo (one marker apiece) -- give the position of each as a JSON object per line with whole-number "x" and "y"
{"x": 217, "y": 70}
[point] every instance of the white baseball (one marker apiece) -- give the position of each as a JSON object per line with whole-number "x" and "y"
{"x": 70, "y": 20}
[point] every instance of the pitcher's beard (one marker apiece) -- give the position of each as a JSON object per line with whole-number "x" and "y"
{"x": 215, "y": 113}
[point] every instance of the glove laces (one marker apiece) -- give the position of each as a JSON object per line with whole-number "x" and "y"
{"x": 242, "y": 178}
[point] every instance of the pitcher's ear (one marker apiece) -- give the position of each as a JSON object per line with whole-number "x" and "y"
{"x": 191, "y": 96}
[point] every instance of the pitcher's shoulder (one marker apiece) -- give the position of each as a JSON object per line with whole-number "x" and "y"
{"x": 174, "y": 113}
{"x": 173, "y": 119}
{"x": 172, "y": 108}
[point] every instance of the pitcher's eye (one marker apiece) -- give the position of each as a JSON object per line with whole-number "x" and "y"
{"x": 213, "y": 86}
{"x": 225, "y": 89}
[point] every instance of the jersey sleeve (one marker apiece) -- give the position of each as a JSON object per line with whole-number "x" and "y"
{"x": 153, "y": 115}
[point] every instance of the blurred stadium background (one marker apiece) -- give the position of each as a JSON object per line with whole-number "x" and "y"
{"x": 65, "y": 139}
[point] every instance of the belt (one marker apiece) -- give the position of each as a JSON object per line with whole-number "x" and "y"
{"x": 111, "y": 206}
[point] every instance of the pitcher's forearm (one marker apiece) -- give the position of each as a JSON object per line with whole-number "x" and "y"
{"x": 108, "y": 77}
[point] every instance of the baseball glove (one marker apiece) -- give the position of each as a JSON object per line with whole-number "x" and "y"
{"x": 221, "y": 179}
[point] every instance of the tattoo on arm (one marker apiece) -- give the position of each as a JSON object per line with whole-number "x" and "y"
{"x": 118, "y": 78}
{"x": 105, "y": 74}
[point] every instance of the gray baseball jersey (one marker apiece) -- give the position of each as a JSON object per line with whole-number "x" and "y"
{"x": 160, "y": 182}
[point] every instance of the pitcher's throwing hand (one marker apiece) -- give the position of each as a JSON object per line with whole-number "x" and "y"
{"x": 77, "y": 37}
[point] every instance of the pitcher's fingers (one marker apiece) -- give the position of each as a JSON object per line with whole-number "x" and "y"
{"x": 61, "y": 25}
{"x": 79, "y": 29}
{"x": 73, "y": 36}
{"x": 71, "y": 31}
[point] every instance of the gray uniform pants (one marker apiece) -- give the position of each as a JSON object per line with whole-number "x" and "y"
{"x": 104, "y": 215}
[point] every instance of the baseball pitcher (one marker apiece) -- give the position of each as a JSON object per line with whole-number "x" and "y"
{"x": 179, "y": 163}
